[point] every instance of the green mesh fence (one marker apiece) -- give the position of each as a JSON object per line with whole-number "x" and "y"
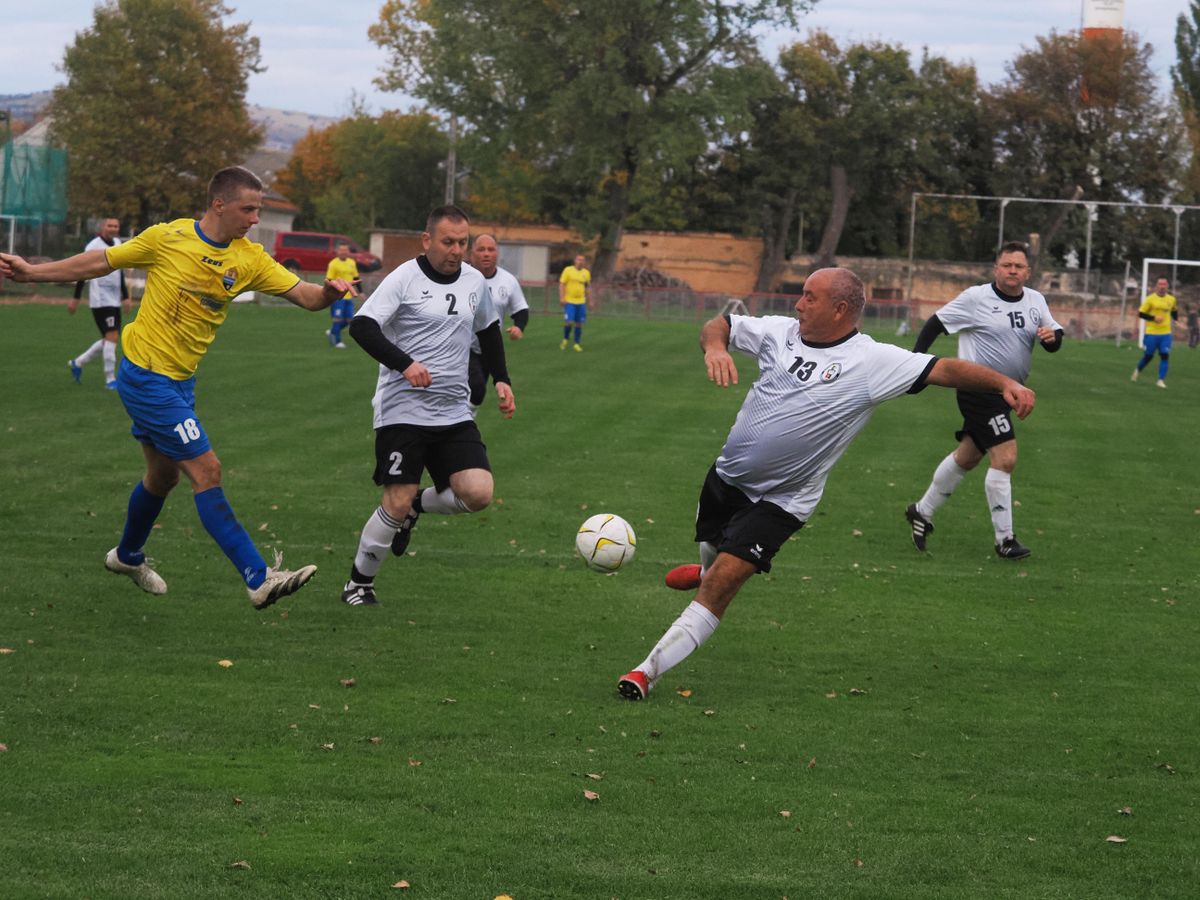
{"x": 33, "y": 182}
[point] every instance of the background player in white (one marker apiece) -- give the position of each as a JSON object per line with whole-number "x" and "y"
{"x": 106, "y": 295}
{"x": 507, "y": 298}
{"x": 997, "y": 324}
{"x": 418, "y": 325}
{"x": 819, "y": 382}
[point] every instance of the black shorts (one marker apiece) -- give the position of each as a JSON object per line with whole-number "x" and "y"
{"x": 739, "y": 526}
{"x": 108, "y": 318}
{"x": 403, "y": 452}
{"x": 986, "y": 419}
{"x": 476, "y": 379}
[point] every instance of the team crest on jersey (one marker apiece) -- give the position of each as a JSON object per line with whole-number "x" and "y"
{"x": 229, "y": 278}
{"x": 473, "y": 300}
{"x": 831, "y": 372}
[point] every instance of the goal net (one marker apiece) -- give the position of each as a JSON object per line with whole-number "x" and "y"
{"x": 1154, "y": 268}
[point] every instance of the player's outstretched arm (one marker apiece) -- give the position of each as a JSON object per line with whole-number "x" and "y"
{"x": 969, "y": 376}
{"x": 714, "y": 341}
{"x": 79, "y": 267}
{"x": 316, "y": 297}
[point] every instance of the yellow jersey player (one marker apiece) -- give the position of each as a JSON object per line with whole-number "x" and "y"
{"x": 1160, "y": 313}
{"x": 342, "y": 311}
{"x": 194, "y": 269}
{"x": 572, "y": 294}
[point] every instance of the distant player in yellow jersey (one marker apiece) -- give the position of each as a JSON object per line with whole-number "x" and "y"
{"x": 342, "y": 311}
{"x": 194, "y": 269}
{"x": 572, "y": 294}
{"x": 1160, "y": 313}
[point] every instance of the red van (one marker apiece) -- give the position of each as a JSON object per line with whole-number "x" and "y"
{"x": 311, "y": 251}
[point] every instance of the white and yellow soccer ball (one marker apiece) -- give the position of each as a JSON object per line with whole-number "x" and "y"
{"x": 606, "y": 542}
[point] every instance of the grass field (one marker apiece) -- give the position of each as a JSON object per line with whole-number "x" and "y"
{"x": 867, "y": 722}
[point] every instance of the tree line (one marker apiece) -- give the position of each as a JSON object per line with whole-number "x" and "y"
{"x": 657, "y": 114}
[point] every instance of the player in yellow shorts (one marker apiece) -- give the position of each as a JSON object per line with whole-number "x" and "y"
{"x": 194, "y": 269}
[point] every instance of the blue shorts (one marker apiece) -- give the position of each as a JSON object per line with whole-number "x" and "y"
{"x": 162, "y": 411}
{"x": 575, "y": 312}
{"x": 342, "y": 309}
{"x": 1156, "y": 343}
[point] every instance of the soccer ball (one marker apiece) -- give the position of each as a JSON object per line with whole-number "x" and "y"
{"x": 606, "y": 542}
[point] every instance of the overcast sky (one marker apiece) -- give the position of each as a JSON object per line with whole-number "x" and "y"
{"x": 318, "y": 55}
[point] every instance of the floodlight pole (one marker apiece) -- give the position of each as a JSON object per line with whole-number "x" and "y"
{"x": 1004, "y": 201}
{"x": 912, "y": 230}
{"x": 1087, "y": 255}
{"x": 1178, "y": 210}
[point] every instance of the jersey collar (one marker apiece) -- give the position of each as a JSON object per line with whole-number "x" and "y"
{"x": 821, "y": 345}
{"x": 204, "y": 237}
{"x": 1011, "y": 298}
{"x": 433, "y": 274}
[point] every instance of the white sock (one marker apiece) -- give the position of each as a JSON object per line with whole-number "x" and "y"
{"x": 110, "y": 360}
{"x": 90, "y": 353}
{"x": 446, "y": 503}
{"x": 998, "y": 487}
{"x": 375, "y": 543}
{"x": 946, "y": 477}
{"x": 694, "y": 626}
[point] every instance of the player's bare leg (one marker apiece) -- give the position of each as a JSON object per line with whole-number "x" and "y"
{"x": 694, "y": 626}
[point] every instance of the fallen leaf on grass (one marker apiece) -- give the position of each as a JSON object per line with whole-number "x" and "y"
{"x": 3, "y": 748}
{"x": 225, "y": 663}
{"x": 832, "y": 695}
{"x": 683, "y": 692}
{"x": 594, "y": 776}
{"x": 859, "y": 863}
{"x": 240, "y": 864}
{"x": 446, "y": 701}
{"x": 1170, "y": 770}
{"x": 347, "y": 682}
{"x": 503, "y": 897}
{"x": 414, "y": 762}
{"x": 857, "y": 692}
{"x": 1125, "y": 811}
{"x": 4, "y": 650}
{"x": 812, "y": 763}
{"x": 856, "y": 533}
{"x": 374, "y": 740}
{"x": 710, "y": 712}
{"x": 591, "y": 796}
{"x": 401, "y": 885}
{"x": 263, "y": 527}
{"x": 314, "y": 706}
{"x": 237, "y": 801}
{"x": 1116, "y": 839}
{"x": 786, "y": 813}
{"x": 328, "y": 746}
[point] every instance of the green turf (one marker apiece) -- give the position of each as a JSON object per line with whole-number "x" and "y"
{"x": 936, "y": 726}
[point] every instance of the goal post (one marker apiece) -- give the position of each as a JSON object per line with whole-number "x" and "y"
{"x": 1147, "y": 263}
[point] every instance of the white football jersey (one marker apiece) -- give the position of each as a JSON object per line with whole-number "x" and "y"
{"x": 431, "y": 317}
{"x": 995, "y": 331}
{"x": 806, "y": 407}
{"x": 507, "y": 298}
{"x": 105, "y": 290}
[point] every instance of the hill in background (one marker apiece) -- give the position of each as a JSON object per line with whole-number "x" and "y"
{"x": 282, "y": 127}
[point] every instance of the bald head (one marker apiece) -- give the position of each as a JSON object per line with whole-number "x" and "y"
{"x": 831, "y": 305}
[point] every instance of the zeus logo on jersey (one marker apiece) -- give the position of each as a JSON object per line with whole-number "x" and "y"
{"x": 209, "y": 261}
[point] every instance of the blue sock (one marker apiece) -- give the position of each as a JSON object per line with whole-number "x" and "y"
{"x": 336, "y": 331}
{"x": 578, "y": 334}
{"x": 566, "y": 332}
{"x": 1162, "y": 369}
{"x": 227, "y": 531}
{"x": 144, "y": 508}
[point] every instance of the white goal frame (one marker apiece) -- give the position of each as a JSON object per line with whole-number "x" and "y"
{"x": 1146, "y": 263}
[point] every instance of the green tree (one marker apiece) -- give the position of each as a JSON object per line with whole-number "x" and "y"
{"x": 365, "y": 172}
{"x": 594, "y": 94}
{"x": 154, "y": 103}
{"x": 1080, "y": 118}
{"x": 1185, "y": 75}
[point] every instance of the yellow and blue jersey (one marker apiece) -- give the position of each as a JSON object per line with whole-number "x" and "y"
{"x": 190, "y": 282}
{"x": 576, "y": 281}
{"x": 1158, "y": 306}
{"x": 342, "y": 268}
